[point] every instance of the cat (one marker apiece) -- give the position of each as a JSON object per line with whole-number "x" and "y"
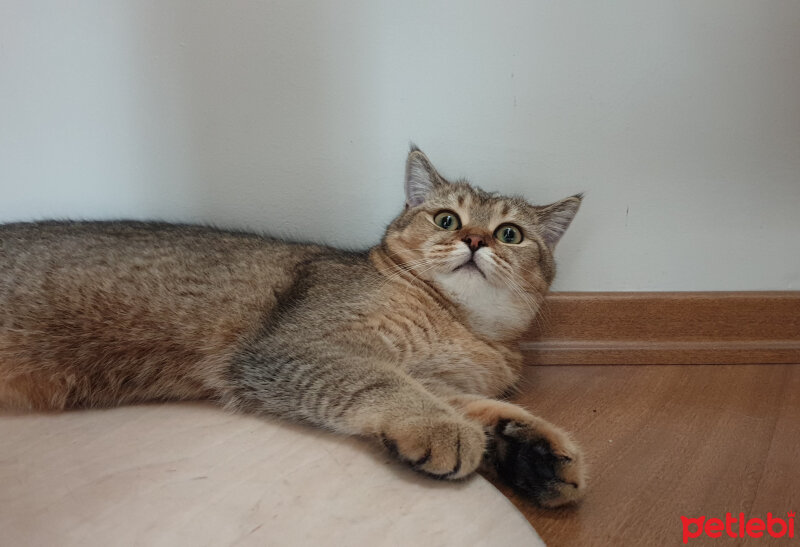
{"x": 409, "y": 343}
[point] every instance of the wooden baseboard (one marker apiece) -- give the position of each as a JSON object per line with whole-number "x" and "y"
{"x": 666, "y": 328}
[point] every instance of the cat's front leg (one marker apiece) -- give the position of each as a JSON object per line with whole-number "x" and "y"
{"x": 357, "y": 395}
{"x": 536, "y": 458}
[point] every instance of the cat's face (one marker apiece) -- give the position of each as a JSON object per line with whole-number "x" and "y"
{"x": 492, "y": 255}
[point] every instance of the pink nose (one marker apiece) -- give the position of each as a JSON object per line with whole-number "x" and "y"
{"x": 475, "y": 242}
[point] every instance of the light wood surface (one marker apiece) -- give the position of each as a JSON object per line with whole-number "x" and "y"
{"x": 666, "y": 441}
{"x": 666, "y": 328}
{"x": 191, "y": 474}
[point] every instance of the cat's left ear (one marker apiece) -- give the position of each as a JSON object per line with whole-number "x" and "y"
{"x": 555, "y": 218}
{"x": 421, "y": 177}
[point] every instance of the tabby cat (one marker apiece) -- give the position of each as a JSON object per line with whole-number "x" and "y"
{"x": 408, "y": 343}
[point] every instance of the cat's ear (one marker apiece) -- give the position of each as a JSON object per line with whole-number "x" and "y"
{"x": 421, "y": 177}
{"x": 555, "y": 218}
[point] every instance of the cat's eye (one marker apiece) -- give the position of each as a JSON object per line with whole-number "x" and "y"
{"x": 447, "y": 220}
{"x": 508, "y": 233}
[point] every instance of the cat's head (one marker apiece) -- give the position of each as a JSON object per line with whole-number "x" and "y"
{"x": 490, "y": 254}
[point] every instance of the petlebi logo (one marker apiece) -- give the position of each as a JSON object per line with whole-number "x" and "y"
{"x": 737, "y": 526}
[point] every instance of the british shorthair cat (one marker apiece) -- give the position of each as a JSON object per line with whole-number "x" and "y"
{"x": 409, "y": 343}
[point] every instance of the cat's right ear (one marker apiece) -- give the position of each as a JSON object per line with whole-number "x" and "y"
{"x": 421, "y": 177}
{"x": 556, "y": 218}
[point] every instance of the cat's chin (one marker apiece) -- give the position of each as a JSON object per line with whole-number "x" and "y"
{"x": 470, "y": 268}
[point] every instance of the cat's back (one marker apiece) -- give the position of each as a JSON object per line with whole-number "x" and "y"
{"x": 141, "y": 259}
{"x": 33, "y": 244}
{"x": 75, "y": 294}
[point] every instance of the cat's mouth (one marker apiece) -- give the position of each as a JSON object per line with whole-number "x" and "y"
{"x": 470, "y": 266}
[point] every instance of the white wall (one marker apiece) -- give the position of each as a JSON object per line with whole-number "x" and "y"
{"x": 681, "y": 121}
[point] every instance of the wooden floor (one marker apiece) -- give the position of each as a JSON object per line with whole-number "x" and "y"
{"x": 665, "y": 441}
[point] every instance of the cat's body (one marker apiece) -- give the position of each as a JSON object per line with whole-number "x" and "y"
{"x": 406, "y": 343}
{"x": 113, "y": 312}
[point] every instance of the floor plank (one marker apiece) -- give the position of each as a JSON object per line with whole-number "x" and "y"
{"x": 666, "y": 441}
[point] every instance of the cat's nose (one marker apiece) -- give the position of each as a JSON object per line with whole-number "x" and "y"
{"x": 474, "y": 242}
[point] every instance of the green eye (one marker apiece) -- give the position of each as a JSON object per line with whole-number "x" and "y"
{"x": 508, "y": 233}
{"x": 447, "y": 220}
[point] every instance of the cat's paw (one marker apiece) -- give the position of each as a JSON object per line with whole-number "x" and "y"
{"x": 446, "y": 447}
{"x": 539, "y": 461}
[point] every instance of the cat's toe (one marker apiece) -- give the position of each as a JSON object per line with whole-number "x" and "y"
{"x": 447, "y": 448}
{"x": 540, "y": 463}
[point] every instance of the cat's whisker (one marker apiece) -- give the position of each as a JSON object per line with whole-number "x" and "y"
{"x": 400, "y": 267}
{"x": 543, "y": 317}
{"x": 409, "y": 270}
{"x": 422, "y": 272}
{"x": 534, "y": 302}
{"x": 510, "y": 282}
{"x": 505, "y": 275}
{"x": 412, "y": 264}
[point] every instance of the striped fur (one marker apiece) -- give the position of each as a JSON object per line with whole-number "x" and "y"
{"x": 398, "y": 343}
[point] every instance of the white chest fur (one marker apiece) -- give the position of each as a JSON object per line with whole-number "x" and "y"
{"x": 495, "y": 312}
